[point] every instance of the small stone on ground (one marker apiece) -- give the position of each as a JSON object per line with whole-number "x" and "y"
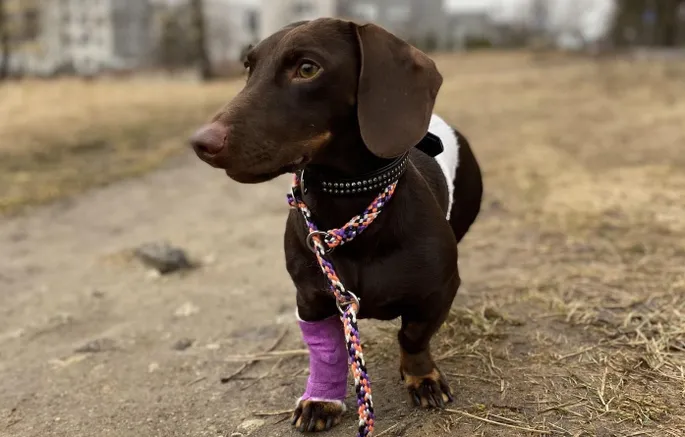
{"x": 183, "y": 344}
{"x": 163, "y": 257}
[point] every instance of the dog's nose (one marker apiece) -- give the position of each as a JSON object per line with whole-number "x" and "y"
{"x": 210, "y": 139}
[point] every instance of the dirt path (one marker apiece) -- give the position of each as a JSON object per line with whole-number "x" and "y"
{"x": 570, "y": 320}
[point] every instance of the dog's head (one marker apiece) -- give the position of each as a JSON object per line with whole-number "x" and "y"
{"x": 308, "y": 81}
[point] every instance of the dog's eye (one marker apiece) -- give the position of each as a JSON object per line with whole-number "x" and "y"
{"x": 307, "y": 70}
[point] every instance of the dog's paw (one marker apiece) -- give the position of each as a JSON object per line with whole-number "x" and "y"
{"x": 429, "y": 390}
{"x": 315, "y": 416}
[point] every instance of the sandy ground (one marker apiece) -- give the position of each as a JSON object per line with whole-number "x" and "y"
{"x": 570, "y": 319}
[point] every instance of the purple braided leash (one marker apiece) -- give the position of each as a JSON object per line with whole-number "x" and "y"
{"x": 322, "y": 243}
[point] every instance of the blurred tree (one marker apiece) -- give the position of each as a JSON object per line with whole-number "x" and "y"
{"x": 5, "y": 49}
{"x": 477, "y": 43}
{"x": 429, "y": 43}
{"x": 199, "y": 32}
{"x": 538, "y": 24}
{"x": 627, "y": 22}
{"x": 646, "y": 22}
{"x": 667, "y": 20}
{"x": 175, "y": 48}
{"x": 539, "y": 16}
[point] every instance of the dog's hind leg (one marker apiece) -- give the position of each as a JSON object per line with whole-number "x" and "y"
{"x": 426, "y": 384}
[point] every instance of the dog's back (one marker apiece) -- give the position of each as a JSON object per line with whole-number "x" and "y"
{"x": 459, "y": 190}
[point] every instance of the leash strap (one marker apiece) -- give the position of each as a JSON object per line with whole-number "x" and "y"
{"x": 322, "y": 243}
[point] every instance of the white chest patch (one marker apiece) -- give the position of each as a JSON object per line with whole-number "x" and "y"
{"x": 449, "y": 158}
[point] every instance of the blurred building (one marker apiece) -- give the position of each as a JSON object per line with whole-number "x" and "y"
{"x": 232, "y": 25}
{"x": 23, "y": 21}
{"x": 277, "y": 13}
{"x": 469, "y": 29}
{"x": 426, "y": 23}
{"x": 394, "y": 15}
{"x": 84, "y": 37}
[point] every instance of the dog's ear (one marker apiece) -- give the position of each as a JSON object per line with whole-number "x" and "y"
{"x": 398, "y": 85}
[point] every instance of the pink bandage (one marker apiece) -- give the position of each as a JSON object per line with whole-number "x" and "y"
{"x": 327, "y": 360}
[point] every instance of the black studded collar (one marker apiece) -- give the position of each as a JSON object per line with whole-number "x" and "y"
{"x": 370, "y": 182}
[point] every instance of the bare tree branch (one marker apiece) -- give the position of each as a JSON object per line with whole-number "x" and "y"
{"x": 5, "y": 49}
{"x": 199, "y": 29}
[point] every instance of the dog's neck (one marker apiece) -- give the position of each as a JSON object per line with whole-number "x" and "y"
{"x": 345, "y": 176}
{"x": 345, "y": 167}
{"x": 346, "y": 157}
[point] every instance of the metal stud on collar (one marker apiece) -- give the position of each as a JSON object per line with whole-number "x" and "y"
{"x": 370, "y": 183}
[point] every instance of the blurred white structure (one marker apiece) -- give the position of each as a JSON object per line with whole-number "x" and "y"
{"x": 83, "y": 36}
{"x": 394, "y": 15}
{"x": 232, "y": 25}
{"x": 277, "y": 13}
{"x": 466, "y": 25}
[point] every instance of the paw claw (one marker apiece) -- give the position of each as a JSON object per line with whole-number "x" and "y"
{"x": 437, "y": 398}
{"x": 314, "y": 416}
{"x": 429, "y": 390}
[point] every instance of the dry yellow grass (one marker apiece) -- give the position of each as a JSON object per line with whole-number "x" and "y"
{"x": 579, "y": 324}
{"x": 59, "y": 138}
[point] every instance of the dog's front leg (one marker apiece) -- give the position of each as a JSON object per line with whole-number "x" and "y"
{"x": 322, "y": 404}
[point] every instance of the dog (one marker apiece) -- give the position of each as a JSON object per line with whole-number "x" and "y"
{"x": 336, "y": 101}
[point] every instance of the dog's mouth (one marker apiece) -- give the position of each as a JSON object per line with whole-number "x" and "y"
{"x": 253, "y": 178}
{"x": 296, "y": 165}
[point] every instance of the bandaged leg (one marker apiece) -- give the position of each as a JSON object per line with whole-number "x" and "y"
{"x": 327, "y": 361}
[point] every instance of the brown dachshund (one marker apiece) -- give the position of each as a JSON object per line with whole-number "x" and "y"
{"x": 349, "y": 108}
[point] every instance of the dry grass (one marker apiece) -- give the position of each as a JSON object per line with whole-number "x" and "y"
{"x": 59, "y": 138}
{"x": 577, "y": 320}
